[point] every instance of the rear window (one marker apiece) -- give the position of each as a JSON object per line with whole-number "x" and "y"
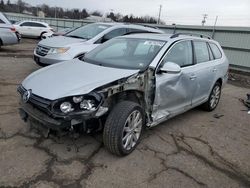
{"x": 201, "y": 51}
{"x": 216, "y": 51}
{"x": 1, "y": 21}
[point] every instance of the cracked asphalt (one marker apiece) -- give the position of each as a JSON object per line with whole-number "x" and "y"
{"x": 195, "y": 149}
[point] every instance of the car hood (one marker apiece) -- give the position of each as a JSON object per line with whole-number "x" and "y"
{"x": 61, "y": 41}
{"x": 71, "y": 78}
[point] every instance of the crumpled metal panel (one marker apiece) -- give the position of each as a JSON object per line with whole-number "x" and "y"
{"x": 173, "y": 95}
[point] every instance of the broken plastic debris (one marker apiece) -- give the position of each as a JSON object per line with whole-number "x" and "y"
{"x": 218, "y": 116}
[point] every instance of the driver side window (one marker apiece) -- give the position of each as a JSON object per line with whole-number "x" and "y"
{"x": 180, "y": 53}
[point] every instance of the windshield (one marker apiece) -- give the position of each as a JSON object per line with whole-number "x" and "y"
{"x": 127, "y": 53}
{"x": 88, "y": 32}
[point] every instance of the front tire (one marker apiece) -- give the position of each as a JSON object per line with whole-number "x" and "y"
{"x": 213, "y": 99}
{"x": 41, "y": 35}
{"x": 123, "y": 128}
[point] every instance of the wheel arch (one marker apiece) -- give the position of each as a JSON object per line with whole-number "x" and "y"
{"x": 219, "y": 81}
{"x": 127, "y": 95}
{"x": 43, "y": 32}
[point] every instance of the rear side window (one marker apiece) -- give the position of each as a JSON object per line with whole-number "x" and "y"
{"x": 201, "y": 51}
{"x": 216, "y": 51}
{"x": 26, "y": 24}
{"x": 1, "y": 21}
{"x": 37, "y": 25}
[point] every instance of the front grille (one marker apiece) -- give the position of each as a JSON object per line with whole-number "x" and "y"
{"x": 36, "y": 101}
{"x": 42, "y": 51}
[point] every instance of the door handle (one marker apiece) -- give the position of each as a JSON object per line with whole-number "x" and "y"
{"x": 193, "y": 77}
{"x": 214, "y": 69}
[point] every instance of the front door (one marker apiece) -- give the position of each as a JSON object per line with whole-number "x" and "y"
{"x": 174, "y": 91}
{"x": 25, "y": 28}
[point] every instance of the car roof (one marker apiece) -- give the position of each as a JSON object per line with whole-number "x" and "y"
{"x": 152, "y": 36}
{"x": 44, "y": 23}
{"x": 138, "y": 26}
{"x": 164, "y": 37}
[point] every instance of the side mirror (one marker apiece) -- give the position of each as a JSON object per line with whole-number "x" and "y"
{"x": 170, "y": 67}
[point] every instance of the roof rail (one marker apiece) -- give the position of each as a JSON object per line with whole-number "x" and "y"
{"x": 145, "y": 25}
{"x": 140, "y": 32}
{"x": 191, "y": 34}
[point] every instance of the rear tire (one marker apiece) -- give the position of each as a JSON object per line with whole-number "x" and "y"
{"x": 213, "y": 99}
{"x": 123, "y": 128}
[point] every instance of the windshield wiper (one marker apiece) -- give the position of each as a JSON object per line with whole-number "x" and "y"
{"x": 74, "y": 36}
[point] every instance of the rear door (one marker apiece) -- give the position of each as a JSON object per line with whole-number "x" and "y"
{"x": 37, "y": 29}
{"x": 174, "y": 92}
{"x": 203, "y": 70}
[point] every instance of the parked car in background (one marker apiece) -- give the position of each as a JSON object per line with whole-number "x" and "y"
{"x": 124, "y": 85}
{"x": 8, "y": 34}
{"x": 77, "y": 42}
{"x": 61, "y": 32}
{"x": 33, "y": 28}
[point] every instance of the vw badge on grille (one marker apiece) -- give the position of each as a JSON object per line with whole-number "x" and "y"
{"x": 26, "y": 95}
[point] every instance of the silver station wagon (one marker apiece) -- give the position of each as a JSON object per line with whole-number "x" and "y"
{"x": 124, "y": 85}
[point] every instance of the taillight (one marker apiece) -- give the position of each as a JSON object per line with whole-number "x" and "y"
{"x": 13, "y": 29}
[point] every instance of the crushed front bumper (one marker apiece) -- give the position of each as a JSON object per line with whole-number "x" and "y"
{"x": 59, "y": 123}
{"x": 28, "y": 112}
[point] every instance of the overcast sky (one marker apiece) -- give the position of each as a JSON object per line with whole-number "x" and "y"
{"x": 229, "y": 12}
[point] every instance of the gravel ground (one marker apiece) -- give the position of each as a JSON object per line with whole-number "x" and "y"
{"x": 195, "y": 149}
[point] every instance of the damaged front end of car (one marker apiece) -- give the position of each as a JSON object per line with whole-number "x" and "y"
{"x": 86, "y": 113}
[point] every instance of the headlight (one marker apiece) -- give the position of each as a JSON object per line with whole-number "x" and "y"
{"x": 88, "y": 105}
{"x": 76, "y": 104}
{"x": 66, "y": 107}
{"x": 58, "y": 50}
{"x": 77, "y": 99}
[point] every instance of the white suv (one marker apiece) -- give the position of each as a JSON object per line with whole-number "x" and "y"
{"x": 81, "y": 40}
{"x": 33, "y": 28}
